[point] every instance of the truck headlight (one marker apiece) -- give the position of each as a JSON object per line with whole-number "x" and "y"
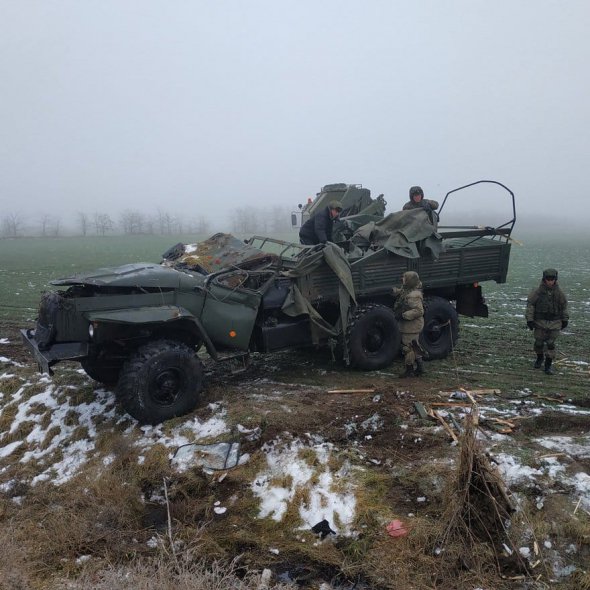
{"x": 91, "y": 331}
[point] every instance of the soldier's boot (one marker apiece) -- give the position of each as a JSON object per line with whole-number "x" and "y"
{"x": 409, "y": 372}
{"x": 539, "y": 361}
{"x": 548, "y": 368}
{"x": 419, "y": 366}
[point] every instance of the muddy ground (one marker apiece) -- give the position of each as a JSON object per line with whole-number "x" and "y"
{"x": 408, "y": 464}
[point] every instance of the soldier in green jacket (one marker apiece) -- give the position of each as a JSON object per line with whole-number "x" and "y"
{"x": 409, "y": 312}
{"x": 546, "y": 314}
{"x": 417, "y": 200}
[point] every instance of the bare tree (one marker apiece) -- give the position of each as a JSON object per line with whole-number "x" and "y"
{"x": 56, "y": 227}
{"x": 280, "y": 219}
{"x": 49, "y": 225}
{"x": 102, "y": 223}
{"x": 83, "y": 222}
{"x": 132, "y": 221}
{"x": 12, "y": 224}
{"x": 247, "y": 220}
{"x": 164, "y": 222}
{"x": 202, "y": 225}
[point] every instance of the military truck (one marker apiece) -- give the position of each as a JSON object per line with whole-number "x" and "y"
{"x": 146, "y": 328}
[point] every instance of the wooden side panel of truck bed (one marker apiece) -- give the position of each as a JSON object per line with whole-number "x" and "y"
{"x": 377, "y": 272}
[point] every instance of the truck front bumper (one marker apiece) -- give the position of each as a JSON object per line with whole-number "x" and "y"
{"x": 63, "y": 351}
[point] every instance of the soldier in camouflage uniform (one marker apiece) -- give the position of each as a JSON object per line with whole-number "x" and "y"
{"x": 546, "y": 314}
{"x": 409, "y": 312}
{"x": 417, "y": 201}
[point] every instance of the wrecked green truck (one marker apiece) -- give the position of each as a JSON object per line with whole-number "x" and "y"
{"x": 145, "y": 328}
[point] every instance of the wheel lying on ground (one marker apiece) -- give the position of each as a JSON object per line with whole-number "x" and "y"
{"x": 441, "y": 328}
{"x": 373, "y": 337}
{"x": 103, "y": 370}
{"x": 163, "y": 379}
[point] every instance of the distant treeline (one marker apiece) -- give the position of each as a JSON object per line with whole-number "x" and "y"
{"x": 242, "y": 220}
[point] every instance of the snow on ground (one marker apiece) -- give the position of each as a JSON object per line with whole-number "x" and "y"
{"x": 331, "y": 498}
{"x": 53, "y": 425}
{"x": 60, "y": 433}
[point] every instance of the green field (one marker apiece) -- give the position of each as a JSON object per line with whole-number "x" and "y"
{"x": 493, "y": 350}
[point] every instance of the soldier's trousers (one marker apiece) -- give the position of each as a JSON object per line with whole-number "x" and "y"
{"x": 410, "y": 347}
{"x": 545, "y": 338}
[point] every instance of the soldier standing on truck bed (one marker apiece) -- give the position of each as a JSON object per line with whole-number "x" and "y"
{"x": 417, "y": 200}
{"x": 546, "y": 314}
{"x": 318, "y": 228}
{"x": 409, "y": 313}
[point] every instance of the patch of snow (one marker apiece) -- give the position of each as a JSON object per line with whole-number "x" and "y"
{"x": 287, "y": 473}
{"x": 578, "y": 447}
{"x": 512, "y": 471}
{"x": 9, "y": 448}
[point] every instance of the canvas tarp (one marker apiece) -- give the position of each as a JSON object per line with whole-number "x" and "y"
{"x": 407, "y": 233}
{"x": 296, "y": 304}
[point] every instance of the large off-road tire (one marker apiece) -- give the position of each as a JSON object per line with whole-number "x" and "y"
{"x": 373, "y": 337}
{"x": 441, "y": 328}
{"x": 163, "y": 379}
{"x": 103, "y": 370}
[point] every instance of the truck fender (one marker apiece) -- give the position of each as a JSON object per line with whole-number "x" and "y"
{"x": 151, "y": 315}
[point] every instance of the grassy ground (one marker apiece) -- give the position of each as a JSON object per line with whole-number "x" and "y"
{"x": 110, "y": 526}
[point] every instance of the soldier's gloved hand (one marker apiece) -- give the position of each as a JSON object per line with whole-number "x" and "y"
{"x": 426, "y": 206}
{"x": 564, "y": 324}
{"x": 531, "y": 325}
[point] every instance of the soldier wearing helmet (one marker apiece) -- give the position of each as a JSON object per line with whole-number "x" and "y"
{"x": 417, "y": 200}
{"x": 409, "y": 312}
{"x": 318, "y": 228}
{"x": 546, "y": 315}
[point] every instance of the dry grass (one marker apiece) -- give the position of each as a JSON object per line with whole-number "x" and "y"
{"x": 160, "y": 573}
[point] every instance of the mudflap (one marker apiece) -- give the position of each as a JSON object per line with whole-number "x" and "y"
{"x": 470, "y": 301}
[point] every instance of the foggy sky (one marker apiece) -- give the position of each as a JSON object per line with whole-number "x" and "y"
{"x": 204, "y": 106}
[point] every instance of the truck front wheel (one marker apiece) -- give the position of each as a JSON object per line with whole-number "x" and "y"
{"x": 441, "y": 328}
{"x": 162, "y": 380}
{"x": 373, "y": 337}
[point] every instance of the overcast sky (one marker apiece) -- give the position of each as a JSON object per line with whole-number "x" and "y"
{"x": 203, "y": 106}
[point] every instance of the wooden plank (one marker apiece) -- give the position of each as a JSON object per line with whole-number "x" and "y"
{"x": 351, "y": 391}
{"x": 445, "y": 425}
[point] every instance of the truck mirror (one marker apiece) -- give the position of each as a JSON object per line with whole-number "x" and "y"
{"x": 293, "y": 219}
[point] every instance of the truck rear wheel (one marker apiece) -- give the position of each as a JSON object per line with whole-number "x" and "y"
{"x": 441, "y": 328}
{"x": 373, "y": 337}
{"x": 162, "y": 380}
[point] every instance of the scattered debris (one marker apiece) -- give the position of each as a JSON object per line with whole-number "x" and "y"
{"x": 396, "y": 528}
{"x": 323, "y": 529}
{"x": 372, "y": 390}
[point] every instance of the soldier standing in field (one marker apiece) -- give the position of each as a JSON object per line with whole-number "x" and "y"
{"x": 409, "y": 312}
{"x": 546, "y": 314}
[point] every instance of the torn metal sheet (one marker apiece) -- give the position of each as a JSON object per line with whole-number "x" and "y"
{"x": 216, "y": 456}
{"x": 221, "y": 251}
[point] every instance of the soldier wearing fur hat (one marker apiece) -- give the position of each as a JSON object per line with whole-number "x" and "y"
{"x": 409, "y": 312}
{"x": 546, "y": 314}
{"x": 318, "y": 228}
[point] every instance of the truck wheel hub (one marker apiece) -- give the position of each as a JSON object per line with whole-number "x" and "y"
{"x": 166, "y": 386}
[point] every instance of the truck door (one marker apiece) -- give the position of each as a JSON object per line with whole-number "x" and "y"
{"x": 230, "y": 309}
